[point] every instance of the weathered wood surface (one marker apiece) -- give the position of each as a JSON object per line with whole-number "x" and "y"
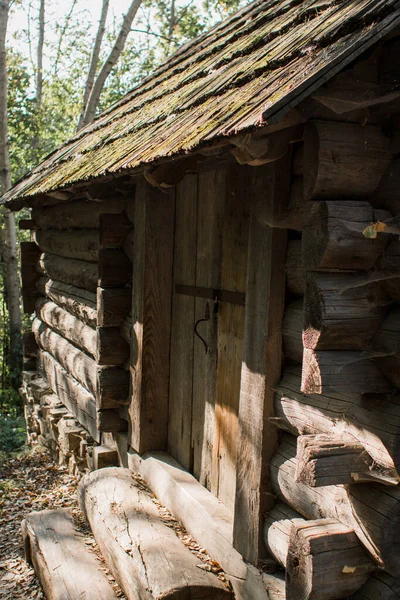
{"x": 380, "y": 586}
{"x": 109, "y": 385}
{"x": 388, "y": 267}
{"x": 292, "y": 331}
{"x": 203, "y": 515}
{"x": 144, "y": 555}
{"x": 29, "y": 345}
{"x": 112, "y": 306}
{"x": 371, "y": 510}
{"x": 66, "y": 567}
{"x": 325, "y": 561}
{"x": 340, "y": 316}
{"x": 333, "y": 238}
{"x": 27, "y": 224}
{"x": 341, "y": 371}
{"x": 277, "y": 527}
{"x": 30, "y": 255}
{"x": 387, "y": 193}
{"x": 275, "y": 585}
{"x": 70, "y": 243}
{"x": 387, "y": 341}
{"x": 126, "y": 328}
{"x": 183, "y": 320}
{"x": 110, "y": 421}
{"x": 79, "y": 401}
{"x": 104, "y": 457}
{"x": 111, "y": 349}
{"x": 78, "y": 214}
{"x": 343, "y": 160}
{"x": 295, "y": 272}
{"x": 67, "y": 325}
{"x": 79, "y": 273}
{"x": 115, "y": 268}
{"x": 151, "y": 317}
{"x": 375, "y": 424}
{"x": 328, "y": 460}
{"x": 79, "y": 302}
{"x": 261, "y": 359}
{"x": 113, "y": 230}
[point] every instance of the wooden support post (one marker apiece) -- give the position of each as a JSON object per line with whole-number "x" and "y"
{"x": 30, "y": 255}
{"x": 329, "y": 460}
{"x": 262, "y": 351}
{"x": 151, "y": 317}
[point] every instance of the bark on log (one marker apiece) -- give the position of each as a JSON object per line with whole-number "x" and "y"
{"x": 66, "y": 568}
{"x": 371, "y": 510}
{"x": 68, "y": 326}
{"x": 74, "y": 396}
{"x": 78, "y": 214}
{"x": 112, "y": 306}
{"x": 341, "y": 371}
{"x": 343, "y": 160}
{"x": 338, "y": 316}
{"x": 375, "y": 425}
{"x": 295, "y": 272}
{"x": 145, "y": 556}
{"x": 292, "y": 331}
{"x": 333, "y": 236}
{"x": 328, "y": 460}
{"x": 115, "y": 268}
{"x": 69, "y": 243}
{"x": 380, "y": 586}
{"x": 325, "y": 561}
{"x": 109, "y": 385}
{"x": 78, "y": 302}
{"x": 79, "y": 273}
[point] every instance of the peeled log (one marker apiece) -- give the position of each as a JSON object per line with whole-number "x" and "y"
{"x": 376, "y": 425}
{"x": 295, "y": 272}
{"x": 144, "y": 555}
{"x": 338, "y": 315}
{"x": 78, "y": 302}
{"x": 328, "y": 460}
{"x": 70, "y": 243}
{"x": 79, "y": 401}
{"x": 333, "y": 236}
{"x": 380, "y": 586}
{"x": 343, "y": 159}
{"x": 79, "y": 273}
{"x": 78, "y": 214}
{"x": 109, "y": 385}
{"x": 341, "y": 371}
{"x": 292, "y": 330}
{"x": 325, "y": 561}
{"x": 67, "y": 325}
{"x": 372, "y": 511}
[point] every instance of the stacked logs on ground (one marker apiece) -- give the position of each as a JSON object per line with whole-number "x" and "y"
{"x": 50, "y": 424}
{"x": 323, "y": 558}
{"x": 372, "y": 511}
{"x": 374, "y": 425}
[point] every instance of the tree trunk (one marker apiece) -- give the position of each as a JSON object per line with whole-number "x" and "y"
{"x": 94, "y": 59}
{"x": 110, "y": 62}
{"x": 8, "y": 234}
{"x": 39, "y": 64}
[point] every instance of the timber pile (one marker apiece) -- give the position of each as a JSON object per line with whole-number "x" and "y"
{"x": 335, "y": 526}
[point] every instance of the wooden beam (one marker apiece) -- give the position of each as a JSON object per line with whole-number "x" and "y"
{"x": 151, "y": 317}
{"x": 70, "y": 243}
{"x": 262, "y": 351}
{"x": 78, "y": 302}
{"x": 79, "y": 273}
{"x": 113, "y": 305}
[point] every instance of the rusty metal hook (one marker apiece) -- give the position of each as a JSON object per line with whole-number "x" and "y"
{"x": 206, "y": 318}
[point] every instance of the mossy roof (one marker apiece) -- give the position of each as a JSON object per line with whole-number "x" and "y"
{"x": 243, "y": 74}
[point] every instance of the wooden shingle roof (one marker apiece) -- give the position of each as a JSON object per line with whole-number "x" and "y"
{"x": 245, "y": 73}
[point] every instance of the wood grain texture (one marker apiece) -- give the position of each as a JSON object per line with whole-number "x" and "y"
{"x": 262, "y": 355}
{"x": 70, "y": 243}
{"x": 145, "y": 556}
{"x": 79, "y": 273}
{"x": 151, "y": 317}
{"x": 183, "y": 320}
{"x": 77, "y": 214}
{"x": 66, "y": 567}
{"x": 112, "y": 306}
{"x": 78, "y": 302}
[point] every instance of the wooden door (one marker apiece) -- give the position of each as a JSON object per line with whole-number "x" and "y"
{"x": 211, "y": 236}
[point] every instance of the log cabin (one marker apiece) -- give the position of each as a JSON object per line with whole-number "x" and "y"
{"x": 214, "y": 275}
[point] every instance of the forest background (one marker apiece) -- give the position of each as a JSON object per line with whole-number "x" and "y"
{"x": 64, "y": 61}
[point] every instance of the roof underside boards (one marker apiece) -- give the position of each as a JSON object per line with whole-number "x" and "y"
{"x": 245, "y": 73}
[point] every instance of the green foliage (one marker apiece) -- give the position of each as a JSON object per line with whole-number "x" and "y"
{"x": 12, "y": 433}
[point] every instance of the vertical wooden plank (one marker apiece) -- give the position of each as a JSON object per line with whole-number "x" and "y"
{"x": 230, "y": 334}
{"x": 151, "y": 317}
{"x": 262, "y": 356}
{"x": 211, "y": 199}
{"x": 183, "y": 321}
